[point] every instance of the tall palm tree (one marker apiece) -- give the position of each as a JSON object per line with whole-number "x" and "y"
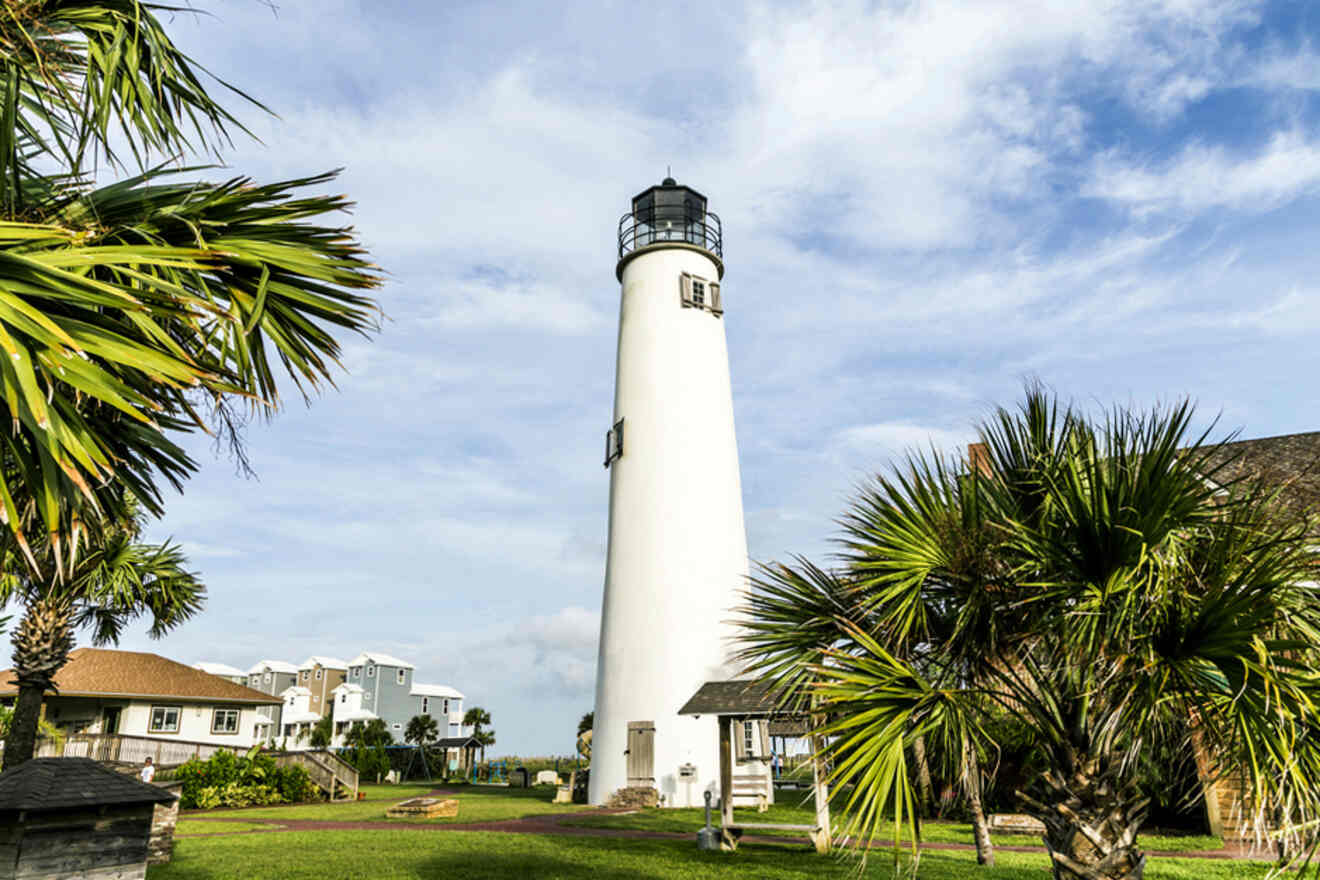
{"x": 421, "y": 730}
{"x": 114, "y": 580}
{"x": 485, "y": 738}
{"x": 1102, "y": 581}
{"x": 476, "y": 718}
{"x": 155, "y": 305}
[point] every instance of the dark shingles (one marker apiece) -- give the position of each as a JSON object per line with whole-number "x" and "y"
{"x": 730, "y": 698}
{"x": 1290, "y": 463}
{"x": 63, "y": 783}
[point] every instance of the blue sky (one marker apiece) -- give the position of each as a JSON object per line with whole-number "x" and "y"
{"x": 924, "y": 204}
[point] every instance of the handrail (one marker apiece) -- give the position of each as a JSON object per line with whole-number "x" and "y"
{"x": 701, "y": 229}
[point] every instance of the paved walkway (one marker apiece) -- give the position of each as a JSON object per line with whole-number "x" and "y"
{"x": 557, "y": 823}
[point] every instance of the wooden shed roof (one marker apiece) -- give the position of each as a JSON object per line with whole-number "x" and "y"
{"x": 458, "y": 742}
{"x": 739, "y": 697}
{"x": 64, "y": 783}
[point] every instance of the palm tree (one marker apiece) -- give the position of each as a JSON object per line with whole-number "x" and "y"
{"x": 155, "y": 305}
{"x": 365, "y": 736}
{"x": 476, "y": 718}
{"x": 485, "y": 738}
{"x": 323, "y": 733}
{"x": 115, "y": 580}
{"x": 1102, "y": 581}
{"x": 421, "y": 730}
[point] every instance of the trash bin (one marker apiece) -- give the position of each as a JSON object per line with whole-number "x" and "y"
{"x": 520, "y": 778}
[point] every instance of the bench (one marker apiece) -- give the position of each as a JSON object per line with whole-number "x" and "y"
{"x": 731, "y": 834}
{"x": 753, "y": 786}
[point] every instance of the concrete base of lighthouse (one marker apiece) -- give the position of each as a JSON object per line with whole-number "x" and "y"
{"x": 681, "y": 745}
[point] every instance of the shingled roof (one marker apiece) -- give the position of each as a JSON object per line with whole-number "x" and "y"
{"x": 730, "y": 698}
{"x": 63, "y": 783}
{"x": 99, "y": 672}
{"x": 1290, "y": 462}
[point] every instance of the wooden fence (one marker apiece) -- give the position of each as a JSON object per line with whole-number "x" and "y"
{"x": 331, "y": 773}
{"x": 127, "y": 749}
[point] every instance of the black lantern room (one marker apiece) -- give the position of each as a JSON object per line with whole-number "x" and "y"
{"x": 670, "y": 213}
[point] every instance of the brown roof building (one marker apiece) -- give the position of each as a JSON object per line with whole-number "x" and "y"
{"x": 134, "y": 693}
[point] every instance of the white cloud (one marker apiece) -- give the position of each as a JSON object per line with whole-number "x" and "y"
{"x": 1203, "y": 177}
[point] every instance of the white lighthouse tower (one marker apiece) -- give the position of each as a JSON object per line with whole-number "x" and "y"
{"x": 677, "y": 559}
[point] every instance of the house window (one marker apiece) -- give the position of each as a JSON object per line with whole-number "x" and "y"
{"x": 398, "y": 726}
{"x": 255, "y": 680}
{"x": 343, "y": 698}
{"x": 749, "y": 738}
{"x": 316, "y": 700}
{"x": 318, "y": 674}
{"x": 353, "y": 673}
{"x": 224, "y": 721}
{"x": 400, "y": 676}
{"x": 371, "y": 670}
{"x": 165, "y": 719}
{"x": 426, "y": 705}
{"x": 445, "y": 704}
{"x": 267, "y": 678}
{"x": 305, "y": 674}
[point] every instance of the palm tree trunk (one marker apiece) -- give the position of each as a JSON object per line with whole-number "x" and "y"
{"x": 21, "y": 743}
{"x": 1091, "y": 822}
{"x": 923, "y": 774}
{"x": 985, "y": 848}
{"x": 42, "y": 644}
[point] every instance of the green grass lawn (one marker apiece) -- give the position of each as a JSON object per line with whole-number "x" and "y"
{"x": 475, "y": 804}
{"x": 789, "y": 808}
{"x": 397, "y": 854}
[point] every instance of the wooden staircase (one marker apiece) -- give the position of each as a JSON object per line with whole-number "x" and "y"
{"x": 331, "y": 773}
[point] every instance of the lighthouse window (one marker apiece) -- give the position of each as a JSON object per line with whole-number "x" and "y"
{"x": 614, "y": 443}
{"x": 699, "y": 293}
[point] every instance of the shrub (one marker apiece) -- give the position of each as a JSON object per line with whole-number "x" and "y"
{"x": 371, "y": 763}
{"x": 227, "y": 780}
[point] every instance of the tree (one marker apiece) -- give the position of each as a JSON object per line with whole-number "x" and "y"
{"x": 158, "y": 304}
{"x": 586, "y": 723}
{"x": 477, "y": 718}
{"x": 421, "y": 730}
{"x": 485, "y": 738}
{"x": 1103, "y": 581}
{"x": 114, "y": 580}
{"x": 366, "y": 736}
{"x": 323, "y": 733}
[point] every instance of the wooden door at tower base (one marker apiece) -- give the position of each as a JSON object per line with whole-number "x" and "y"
{"x": 641, "y": 753}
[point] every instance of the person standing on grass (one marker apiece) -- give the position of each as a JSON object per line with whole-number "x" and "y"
{"x": 148, "y": 772}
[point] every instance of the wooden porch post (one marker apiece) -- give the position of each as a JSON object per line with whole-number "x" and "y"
{"x": 726, "y": 771}
{"x": 821, "y": 792}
